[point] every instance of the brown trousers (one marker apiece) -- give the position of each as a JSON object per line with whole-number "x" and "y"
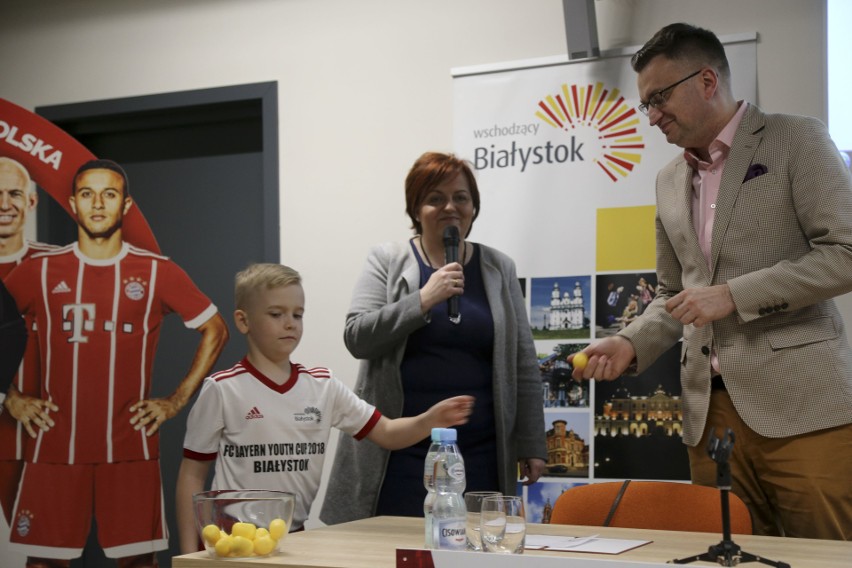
{"x": 799, "y": 486}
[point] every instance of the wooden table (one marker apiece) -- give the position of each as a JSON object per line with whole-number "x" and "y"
{"x": 372, "y": 543}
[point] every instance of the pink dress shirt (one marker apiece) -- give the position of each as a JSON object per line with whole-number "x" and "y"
{"x": 706, "y": 178}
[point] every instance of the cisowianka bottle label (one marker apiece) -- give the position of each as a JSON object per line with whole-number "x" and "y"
{"x": 456, "y": 471}
{"x": 449, "y": 534}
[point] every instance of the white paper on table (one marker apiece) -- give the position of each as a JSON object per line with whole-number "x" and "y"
{"x": 581, "y": 544}
{"x": 468, "y": 559}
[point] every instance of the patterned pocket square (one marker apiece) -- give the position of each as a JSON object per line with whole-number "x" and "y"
{"x": 754, "y": 171}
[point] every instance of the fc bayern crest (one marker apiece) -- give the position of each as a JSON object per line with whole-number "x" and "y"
{"x": 134, "y": 289}
{"x": 25, "y": 519}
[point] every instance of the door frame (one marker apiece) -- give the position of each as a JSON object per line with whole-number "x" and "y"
{"x": 166, "y": 108}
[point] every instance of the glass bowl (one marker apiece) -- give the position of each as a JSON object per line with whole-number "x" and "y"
{"x": 243, "y": 523}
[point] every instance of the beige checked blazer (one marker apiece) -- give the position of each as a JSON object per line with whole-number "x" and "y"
{"x": 783, "y": 243}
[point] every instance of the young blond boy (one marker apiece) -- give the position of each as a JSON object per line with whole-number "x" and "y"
{"x": 266, "y": 421}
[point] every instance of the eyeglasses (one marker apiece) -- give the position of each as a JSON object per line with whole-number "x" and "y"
{"x": 658, "y": 99}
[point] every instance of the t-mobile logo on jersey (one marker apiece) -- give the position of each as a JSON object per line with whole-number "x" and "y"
{"x": 78, "y": 318}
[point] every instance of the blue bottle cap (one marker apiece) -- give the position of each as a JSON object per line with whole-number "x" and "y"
{"x": 449, "y": 435}
{"x": 436, "y": 434}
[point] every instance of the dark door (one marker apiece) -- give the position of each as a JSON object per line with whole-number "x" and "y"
{"x": 203, "y": 168}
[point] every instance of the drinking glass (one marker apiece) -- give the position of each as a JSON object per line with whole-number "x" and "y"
{"x": 503, "y": 524}
{"x": 473, "y": 504}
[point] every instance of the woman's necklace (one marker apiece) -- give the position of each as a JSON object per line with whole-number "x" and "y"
{"x": 429, "y": 261}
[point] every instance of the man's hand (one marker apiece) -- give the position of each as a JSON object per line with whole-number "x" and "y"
{"x": 609, "y": 358}
{"x": 700, "y": 306}
{"x": 152, "y": 413}
{"x": 30, "y": 411}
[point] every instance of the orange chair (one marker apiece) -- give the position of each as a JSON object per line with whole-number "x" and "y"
{"x": 659, "y": 505}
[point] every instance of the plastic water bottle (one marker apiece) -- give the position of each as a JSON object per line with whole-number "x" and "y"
{"x": 429, "y": 482}
{"x": 448, "y": 510}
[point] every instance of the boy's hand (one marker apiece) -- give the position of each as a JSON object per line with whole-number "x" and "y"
{"x": 398, "y": 433}
{"x": 452, "y": 411}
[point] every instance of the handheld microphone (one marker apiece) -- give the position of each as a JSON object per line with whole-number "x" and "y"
{"x": 451, "y": 253}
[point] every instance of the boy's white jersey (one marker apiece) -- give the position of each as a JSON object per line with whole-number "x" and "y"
{"x": 269, "y": 436}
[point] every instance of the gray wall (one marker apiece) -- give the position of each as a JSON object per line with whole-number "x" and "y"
{"x": 364, "y": 88}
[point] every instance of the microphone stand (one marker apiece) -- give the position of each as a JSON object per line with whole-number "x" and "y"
{"x": 727, "y": 552}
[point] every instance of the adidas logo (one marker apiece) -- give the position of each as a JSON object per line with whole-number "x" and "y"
{"x": 253, "y": 413}
{"x": 60, "y": 288}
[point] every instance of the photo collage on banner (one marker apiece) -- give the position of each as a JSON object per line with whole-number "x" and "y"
{"x": 566, "y": 166}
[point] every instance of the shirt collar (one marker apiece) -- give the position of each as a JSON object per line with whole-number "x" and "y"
{"x": 721, "y": 144}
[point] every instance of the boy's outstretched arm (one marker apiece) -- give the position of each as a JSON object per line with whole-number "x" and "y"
{"x": 394, "y": 434}
{"x": 191, "y": 479}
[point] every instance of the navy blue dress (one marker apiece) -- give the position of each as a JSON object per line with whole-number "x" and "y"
{"x": 443, "y": 360}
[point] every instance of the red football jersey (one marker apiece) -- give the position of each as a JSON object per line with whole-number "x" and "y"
{"x": 10, "y": 262}
{"x": 12, "y": 433}
{"x": 98, "y": 323}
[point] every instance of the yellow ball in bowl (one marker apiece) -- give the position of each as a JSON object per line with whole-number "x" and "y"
{"x": 277, "y": 528}
{"x": 211, "y": 534}
{"x": 264, "y": 545}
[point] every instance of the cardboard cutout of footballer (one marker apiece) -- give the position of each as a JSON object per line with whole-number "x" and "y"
{"x": 95, "y": 307}
{"x": 18, "y": 199}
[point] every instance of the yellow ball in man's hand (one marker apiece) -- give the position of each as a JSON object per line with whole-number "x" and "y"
{"x": 580, "y": 361}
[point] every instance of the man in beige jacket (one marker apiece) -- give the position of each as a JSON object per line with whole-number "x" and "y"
{"x": 754, "y": 239}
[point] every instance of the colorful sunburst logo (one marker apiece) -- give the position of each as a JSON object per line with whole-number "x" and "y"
{"x": 593, "y": 106}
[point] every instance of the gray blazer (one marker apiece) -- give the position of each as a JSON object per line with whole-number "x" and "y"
{"x": 385, "y": 310}
{"x": 783, "y": 243}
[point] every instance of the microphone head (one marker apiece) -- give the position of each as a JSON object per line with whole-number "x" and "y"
{"x": 451, "y": 236}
